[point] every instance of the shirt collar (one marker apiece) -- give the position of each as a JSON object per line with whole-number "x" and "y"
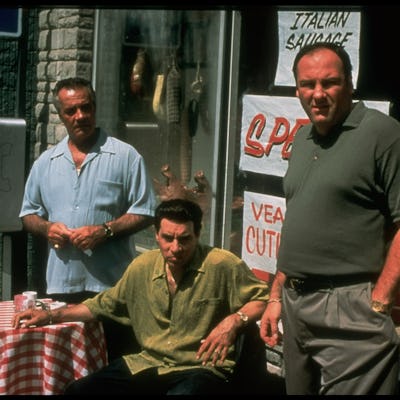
{"x": 356, "y": 115}
{"x": 102, "y": 145}
{"x": 196, "y": 265}
{"x": 352, "y": 120}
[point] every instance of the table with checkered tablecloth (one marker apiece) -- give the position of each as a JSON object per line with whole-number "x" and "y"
{"x": 43, "y": 360}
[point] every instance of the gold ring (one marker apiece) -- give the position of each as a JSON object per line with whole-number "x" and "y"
{"x": 216, "y": 352}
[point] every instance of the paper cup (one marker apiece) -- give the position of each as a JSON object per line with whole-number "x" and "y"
{"x": 19, "y": 302}
{"x": 30, "y": 299}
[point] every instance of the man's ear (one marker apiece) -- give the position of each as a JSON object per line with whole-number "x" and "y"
{"x": 350, "y": 83}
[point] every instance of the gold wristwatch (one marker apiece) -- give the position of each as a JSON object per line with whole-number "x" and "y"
{"x": 380, "y": 307}
{"x": 243, "y": 317}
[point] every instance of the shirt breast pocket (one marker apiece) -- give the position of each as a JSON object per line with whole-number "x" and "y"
{"x": 207, "y": 311}
{"x": 109, "y": 195}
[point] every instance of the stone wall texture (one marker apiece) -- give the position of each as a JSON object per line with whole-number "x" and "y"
{"x": 65, "y": 46}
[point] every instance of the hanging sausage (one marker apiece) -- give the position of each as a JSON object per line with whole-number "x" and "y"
{"x": 136, "y": 78}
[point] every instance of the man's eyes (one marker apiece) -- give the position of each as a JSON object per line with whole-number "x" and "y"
{"x": 70, "y": 111}
{"x": 324, "y": 84}
{"x": 86, "y": 108}
{"x": 182, "y": 240}
{"x": 308, "y": 85}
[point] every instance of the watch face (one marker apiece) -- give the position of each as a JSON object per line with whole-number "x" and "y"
{"x": 108, "y": 230}
{"x": 243, "y": 317}
{"x": 380, "y": 307}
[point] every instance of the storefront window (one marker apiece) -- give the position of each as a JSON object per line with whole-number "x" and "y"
{"x": 158, "y": 81}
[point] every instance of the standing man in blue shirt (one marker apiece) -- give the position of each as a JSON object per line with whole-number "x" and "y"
{"x": 87, "y": 196}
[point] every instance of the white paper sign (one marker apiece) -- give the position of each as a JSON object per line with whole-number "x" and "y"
{"x": 383, "y": 106}
{"x": 269, "y": 124}
{"x": 298, "y": 28}
{"x": 263, "y": 216}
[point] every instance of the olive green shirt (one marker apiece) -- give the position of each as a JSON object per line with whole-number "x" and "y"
{"x": 169, "y": 329}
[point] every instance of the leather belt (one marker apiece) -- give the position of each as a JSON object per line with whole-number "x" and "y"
{"x": 315, "y": 283}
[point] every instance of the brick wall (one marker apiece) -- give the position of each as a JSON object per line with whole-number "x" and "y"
{"x": 65, "y": 45}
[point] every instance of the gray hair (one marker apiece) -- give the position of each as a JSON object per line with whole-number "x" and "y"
{"x": 73, "y": 83}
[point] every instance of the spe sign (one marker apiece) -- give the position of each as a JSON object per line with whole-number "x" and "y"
{"x": 10, "y": 22}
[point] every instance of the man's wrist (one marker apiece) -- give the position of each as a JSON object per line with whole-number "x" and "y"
{"x": 244, "y": 318}
{"x": 50, "y": 315}
{"x": 107, "y": 230}
{"x": 46, "y": 227}
{"x": 274, "y": 300}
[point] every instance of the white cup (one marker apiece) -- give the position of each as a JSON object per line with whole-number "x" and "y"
{"x": 19, "y": 302}
{"x": 30, "y": 299}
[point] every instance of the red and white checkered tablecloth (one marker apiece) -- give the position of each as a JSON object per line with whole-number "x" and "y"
{"x": 43, "y": 360}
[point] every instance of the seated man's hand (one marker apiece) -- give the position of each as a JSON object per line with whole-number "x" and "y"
{"x": 214, "y": 348}
{"x": 29, "y": 318}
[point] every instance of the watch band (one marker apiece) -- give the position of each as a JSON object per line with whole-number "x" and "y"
{"x": 243, "y": 317}
{"x": 380, "y": 307}
{"x": 108, "y": 231}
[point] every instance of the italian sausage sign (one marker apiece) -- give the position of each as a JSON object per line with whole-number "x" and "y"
{"x": 298, "y": 28}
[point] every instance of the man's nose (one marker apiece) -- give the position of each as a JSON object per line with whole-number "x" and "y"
{"x": 79, "y": 113}
{"x": 175, "y": 247}
{"x": 319, "y": 91}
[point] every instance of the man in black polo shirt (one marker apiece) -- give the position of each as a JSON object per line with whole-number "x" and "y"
{"x": 338, "y": 266}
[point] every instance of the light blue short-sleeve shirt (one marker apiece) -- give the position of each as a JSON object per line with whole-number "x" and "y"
{"x": 113, "y": 181}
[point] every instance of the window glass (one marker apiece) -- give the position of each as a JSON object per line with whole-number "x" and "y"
{"x": 157, "y": 80}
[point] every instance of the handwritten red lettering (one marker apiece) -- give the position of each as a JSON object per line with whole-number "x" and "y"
{"x": 262, "y": 242}
{"x": 254, "y": 148}
{"x": 287, "y": 147}
{"x": 275, "y": 138}
{"x": 281, "y": 134}
{"x": 271, "y": 214}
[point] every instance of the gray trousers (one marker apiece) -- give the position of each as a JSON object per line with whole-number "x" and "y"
{"x": 333, "y": 343}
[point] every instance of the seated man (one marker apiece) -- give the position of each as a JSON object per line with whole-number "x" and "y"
{"x": 186, "y": 303}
